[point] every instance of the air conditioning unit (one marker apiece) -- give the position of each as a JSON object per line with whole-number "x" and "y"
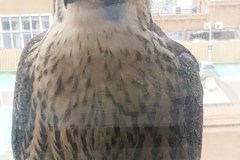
{"x": 218, "y": 25}
{"x": 178, "y": 10}
{"x": 207, "y": 26}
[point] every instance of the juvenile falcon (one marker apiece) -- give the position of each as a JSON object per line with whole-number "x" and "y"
{"x": 103, "y": 84}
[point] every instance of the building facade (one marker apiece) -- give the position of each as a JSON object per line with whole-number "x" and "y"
{"x": 22, "y": 20}
{"x": 221, "y": 17}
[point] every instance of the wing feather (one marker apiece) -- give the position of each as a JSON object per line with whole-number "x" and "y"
{"x": 193, "y": 112}
{"x": 21, "y": 128}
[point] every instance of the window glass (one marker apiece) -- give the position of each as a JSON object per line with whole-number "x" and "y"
{"x": 15, "y": 24}
{"x": 25, "y": 23}
{"x": 178, "y": 35}
{"x": 26, "y": 38}
{"x": 5, "y": 24}
{"x": 35, "y": 23}
{"x": 7, "y": 40}
{"x": 45, "y": 22}
{"x": 17, "y": 40}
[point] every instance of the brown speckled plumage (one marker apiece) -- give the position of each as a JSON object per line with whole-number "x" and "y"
{"x": 120, "y": 90}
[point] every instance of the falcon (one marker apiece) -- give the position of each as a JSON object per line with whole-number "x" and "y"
{"x": 104, "y": 82}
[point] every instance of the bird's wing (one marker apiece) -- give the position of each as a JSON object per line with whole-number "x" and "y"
{"x": 193, "y": 112}
{"x": 22, "y": 123}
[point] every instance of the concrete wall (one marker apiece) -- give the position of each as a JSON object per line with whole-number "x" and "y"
{"x": 223, "y": 51}
{"x": 221, "y": 143}
{"x": 9, "y": 59}
{"x": 25, "y": 6}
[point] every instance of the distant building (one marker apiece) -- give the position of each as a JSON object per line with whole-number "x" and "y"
{"x": 196, "y": 19}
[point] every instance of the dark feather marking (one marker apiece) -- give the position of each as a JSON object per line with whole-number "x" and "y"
{"x": 39, "y": 77}
{"x": 111, "y": 55}
{"x": 84, "y": 102}
{"x": 83, "y": 118}
{"x": 170, "y": 89}
{"x": 59, "y": 86}
{"x": 75, "y": 132}
{"x": 131, "y": 139}
{"x": 54, "y": 67}
{"x": 46, "y": 60}
{"x": 157, "y": 139}
{"x": 38, "y": 68}
{"x": 170, "y": 70}
{"x": 67, "y": 114}
{"x": 49, "y": 84}
{"x": 73, "y": 145}
{"x": 49, "y": 47}
{"x": 84, "y": 71}
{"x": 113, "y": 141}
{"x": 139, "y": 147}
{"x": 43, "y": 141}
{"x": 127, "y": 53}
{"x": 58, "y": 144}
{"x": 55, "y": 121}
{"x": 127, "y": 97}
{"x": 106, "y": 53}
{"x": 120, "y": 66}
{"x": 45, "y": 72}
{"x": 32, "y": 50}
{"x": 88, "y": 83}
{"x": 117, "y": 132}
{"x": 75, "y": 85}
{"x": 89, "y": 59}
{"x": 33, "y": 75}
{"x": 43, "y": 105}
{"x": 50, "y": 127}
{"x": 105, "y": 66}
{"x": 115, "y": 156}
{"x": 104, "y": 157}
{"x": 70, "y": 79}
{"x": 34, "y": 103}
{"x": 75, "y": 105}
{"x": 39, "y": 95}
{"x": 139, "y": 56}
{"x": 109, "y": 76}
{"x": 148, "y": 59}
{"x": 166, "y": 58}
{"x": 108, "y": 148}
{"x": 85, "y": 149}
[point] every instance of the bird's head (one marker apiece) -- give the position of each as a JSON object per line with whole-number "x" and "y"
{"x": 97, "y": 12}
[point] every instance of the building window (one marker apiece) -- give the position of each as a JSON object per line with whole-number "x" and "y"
{"x": 176, "y": 35}
{"x": 16, "y": 31}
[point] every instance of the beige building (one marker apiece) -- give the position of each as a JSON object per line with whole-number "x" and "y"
{"x": 222, "y": 15}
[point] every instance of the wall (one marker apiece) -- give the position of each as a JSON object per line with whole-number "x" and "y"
{"x": 223, "y": 51}
{"x": 221, "y": 143}
{"x": 9, "y": 59}
{"x": 25, "y": 6}
{"x": 182, "y": 23}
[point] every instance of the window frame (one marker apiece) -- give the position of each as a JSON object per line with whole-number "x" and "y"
{"x": 21, "y": 31}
